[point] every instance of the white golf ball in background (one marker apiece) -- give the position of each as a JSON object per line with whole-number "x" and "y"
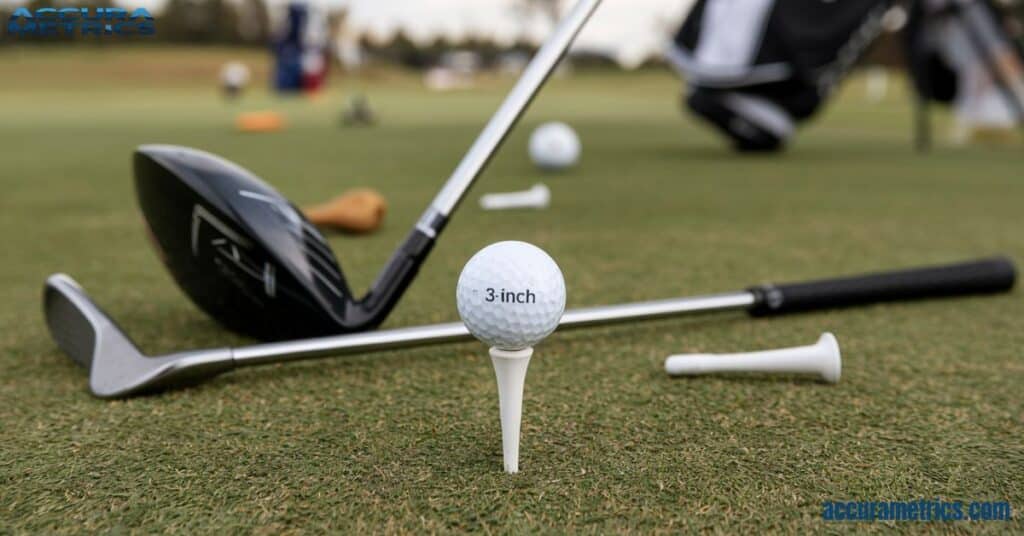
{"x": 234, "y": 77}
{"x": 555, "y": 146}
{"x": 511, "y": 295}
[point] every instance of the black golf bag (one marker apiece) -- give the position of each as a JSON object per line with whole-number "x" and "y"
{"x": 959, "y": 53}
{"x": 756, "y": 69}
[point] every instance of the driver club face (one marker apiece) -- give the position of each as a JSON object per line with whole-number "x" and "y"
{"x": 242, "y": 253}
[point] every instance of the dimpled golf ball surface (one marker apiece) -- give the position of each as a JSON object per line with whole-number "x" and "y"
{"x": 555, "y": 146}
{"x": 511, "y": 295}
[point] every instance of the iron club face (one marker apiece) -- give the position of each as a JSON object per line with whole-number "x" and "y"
{"x": 116, "y": 366}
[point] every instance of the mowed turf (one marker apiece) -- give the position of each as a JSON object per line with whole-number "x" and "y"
{"x": 928, "y": 407}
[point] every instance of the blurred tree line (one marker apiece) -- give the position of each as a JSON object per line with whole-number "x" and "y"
{"x": 215, "y": 21}
{"x": 247, "y": 22}
{"x": 221, "y": 22}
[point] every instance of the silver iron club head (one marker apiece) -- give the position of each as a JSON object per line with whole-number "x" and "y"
{"x": 117, "y": 368}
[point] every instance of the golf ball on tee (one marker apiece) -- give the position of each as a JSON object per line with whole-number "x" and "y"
{"x": 511, "y": 295}
{"x": 555, "y": 146}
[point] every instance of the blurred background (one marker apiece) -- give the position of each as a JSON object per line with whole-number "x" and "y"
{"x": 454, "y": 45}
{"x": 356, "y": 34}
{"x": 404, "y": 32}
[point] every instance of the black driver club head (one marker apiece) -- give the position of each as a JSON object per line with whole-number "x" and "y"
{"x": 249, "y": 258}
{"x": 240, "y": 250}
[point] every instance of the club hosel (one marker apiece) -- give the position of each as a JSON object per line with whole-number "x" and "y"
{"x": 397, "y": 275}
{"x": 822, "y": 359}
{"x": 402, "y": 268}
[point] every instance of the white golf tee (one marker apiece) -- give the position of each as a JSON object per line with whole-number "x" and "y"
{"x": 538, "y": 197}
{"x": 510, "y": 370}
{"x": 823, "y": 359}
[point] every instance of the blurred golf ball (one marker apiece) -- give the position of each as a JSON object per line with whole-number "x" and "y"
{"x": 234, "y": 77}
{"x": 555, "y": 146}
{"x": 511, "y": 295}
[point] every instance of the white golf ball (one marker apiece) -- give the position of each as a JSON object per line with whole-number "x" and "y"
{"x": 511, "y": 295}
{"x": 555, "y": 146}
{"x": 235, "y": 75}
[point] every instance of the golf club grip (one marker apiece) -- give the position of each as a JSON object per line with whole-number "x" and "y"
{"x": 978, "y": 277}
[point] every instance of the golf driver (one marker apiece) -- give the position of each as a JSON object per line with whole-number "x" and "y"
{"x": 251, "y": 260}
{"x": 118, "y": 369}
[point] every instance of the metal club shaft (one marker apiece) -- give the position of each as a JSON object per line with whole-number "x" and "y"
{"x": 378, "y": 341}
{"x": 118, "y": 368}
{"x": 540, "y": 68}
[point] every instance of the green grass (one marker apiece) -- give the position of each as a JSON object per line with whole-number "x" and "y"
{"x": 929, "y": 404}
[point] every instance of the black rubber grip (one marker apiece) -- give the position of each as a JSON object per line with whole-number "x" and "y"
{"x": 985, "y": 276}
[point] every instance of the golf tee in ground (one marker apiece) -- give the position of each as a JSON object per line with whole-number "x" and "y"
{"x": 510, "y": 370}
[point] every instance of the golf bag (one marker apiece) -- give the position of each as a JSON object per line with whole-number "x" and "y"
{"x": 300, "y": 50}
{"x": 960, "y": 54}
{"x": 757, "y": 68}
